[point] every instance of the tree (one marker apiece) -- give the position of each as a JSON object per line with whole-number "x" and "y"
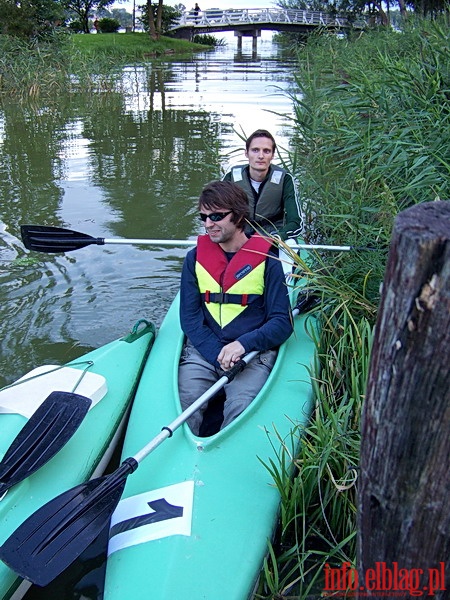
{"x": 154, "y": 34}
{"x": 84, "y": 9}
{"x": 29, "y": 18}
{"x": 157, "y": 19}
{"x": 120, "y": 14}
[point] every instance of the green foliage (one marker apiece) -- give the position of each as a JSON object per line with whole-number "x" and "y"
{"x": 48, "y": 69}
{"x": 76, "y": 26}
{"x": 169, "y": 14}
{"x": 351, "y": 8}
{"x": 83, "y": 10}
{"x": 107, "y": 25}
{"x": 208, "y": 40}
{"x": 120, "y": 14}
{"x": 354, "y": 8}
{"x": 317, "y": 519}
{"x": 30, "y": 19}
{"x": 75, "y": 62}
{"x": 373, "y": 130}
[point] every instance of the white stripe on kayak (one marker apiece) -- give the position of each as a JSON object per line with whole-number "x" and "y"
{"x": 152, "y": 515}
{"x": 26, "y": 395}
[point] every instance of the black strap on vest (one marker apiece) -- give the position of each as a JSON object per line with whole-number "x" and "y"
{"x": 225, "y": 298}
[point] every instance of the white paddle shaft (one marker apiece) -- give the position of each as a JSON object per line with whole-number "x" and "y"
{"x": 193, "y": 243}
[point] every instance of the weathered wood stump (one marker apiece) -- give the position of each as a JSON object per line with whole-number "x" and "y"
{"x": 404, "y": 485}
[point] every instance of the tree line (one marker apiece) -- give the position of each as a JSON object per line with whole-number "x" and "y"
{"x": 37, "y": 19}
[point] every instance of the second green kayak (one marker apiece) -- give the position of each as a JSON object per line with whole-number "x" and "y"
{"x": 195, "y": 517}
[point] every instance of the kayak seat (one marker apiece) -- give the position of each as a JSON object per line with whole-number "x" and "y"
{"x": 213, "y": 415}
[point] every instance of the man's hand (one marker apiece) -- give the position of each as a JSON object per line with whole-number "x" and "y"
{"x": 230, "y": 354}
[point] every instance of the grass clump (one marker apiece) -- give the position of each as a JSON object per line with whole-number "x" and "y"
{"x": 372, "y": 124}
{"x": 130, "y": 46}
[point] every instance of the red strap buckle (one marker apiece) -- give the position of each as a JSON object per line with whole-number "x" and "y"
{"x": 207, "y": 293}
{"x": 244, "y": 300}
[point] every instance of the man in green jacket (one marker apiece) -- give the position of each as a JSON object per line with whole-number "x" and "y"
{"x": 271, "y": 190}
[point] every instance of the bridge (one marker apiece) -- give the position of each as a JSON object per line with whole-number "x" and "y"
{"x": 251, "y": 21}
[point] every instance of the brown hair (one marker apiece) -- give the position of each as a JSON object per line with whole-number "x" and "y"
{"x": 226, "y": 195}
{"x": 260, "y": 133}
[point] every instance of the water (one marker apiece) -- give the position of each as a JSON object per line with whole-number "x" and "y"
{"x": 127, "y": 164}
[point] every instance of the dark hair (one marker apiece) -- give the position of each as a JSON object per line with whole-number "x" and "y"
{"x": 260, "y": 133}
{"x": 226, "y": 195}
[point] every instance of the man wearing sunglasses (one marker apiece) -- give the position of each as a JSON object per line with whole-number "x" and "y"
{"x": 271, "y": 190}
{"x": 233, "y": 299}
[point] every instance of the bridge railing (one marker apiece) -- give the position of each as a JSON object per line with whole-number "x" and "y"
{"x": 252, "y": 16}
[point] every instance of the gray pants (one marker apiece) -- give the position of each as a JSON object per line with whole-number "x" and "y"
{"x": 196, "y": 375}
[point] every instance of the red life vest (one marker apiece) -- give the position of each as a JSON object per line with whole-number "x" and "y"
{"x": 228, "y": 287}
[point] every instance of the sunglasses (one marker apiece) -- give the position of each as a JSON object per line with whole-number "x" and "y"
{"x": 214, "y": 217}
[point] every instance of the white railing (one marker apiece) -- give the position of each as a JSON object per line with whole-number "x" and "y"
{"x": 253, "y": 16}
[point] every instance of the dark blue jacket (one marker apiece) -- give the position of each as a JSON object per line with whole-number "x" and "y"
{"x": 262, "y": 326}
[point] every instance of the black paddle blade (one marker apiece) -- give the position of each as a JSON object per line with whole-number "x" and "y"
{"x": 43, "y": 435}
{"x": 57, "y": 533}
{"x": 55, "y": 239}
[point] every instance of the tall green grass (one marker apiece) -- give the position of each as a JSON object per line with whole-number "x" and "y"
{"x": 76, "y": 62}
{"x": 131, "y": 46}
{"x": 373, "y": 124}
{"x": 372, "y": 121}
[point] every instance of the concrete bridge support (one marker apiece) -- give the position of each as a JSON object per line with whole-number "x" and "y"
{"x": 254, "y": 33}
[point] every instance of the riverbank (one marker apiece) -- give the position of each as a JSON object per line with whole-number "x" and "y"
{"x": 131, "y": 46}
{"x": 78, "y": 62}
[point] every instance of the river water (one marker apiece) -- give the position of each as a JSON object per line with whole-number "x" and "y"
{"x": 123, "y": 164}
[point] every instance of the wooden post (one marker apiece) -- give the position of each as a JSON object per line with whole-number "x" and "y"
{"x": 404, "y": 486}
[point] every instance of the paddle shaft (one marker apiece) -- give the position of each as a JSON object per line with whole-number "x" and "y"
{"x": 193, "y": 243}
{"x": 138, "y": 242}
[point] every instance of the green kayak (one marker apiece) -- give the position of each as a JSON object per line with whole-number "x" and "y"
{"x": 195, "y": 517}
{"x": 107, "y": 376}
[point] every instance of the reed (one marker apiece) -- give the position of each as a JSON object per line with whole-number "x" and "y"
{"x": 72, "y": 63}
{"x": 372, "y": 136}
{"x": 318, "y": 503}
{"x": 31, "y": 70}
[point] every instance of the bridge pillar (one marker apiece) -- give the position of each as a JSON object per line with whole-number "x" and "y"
{"x": 254, "y": 33}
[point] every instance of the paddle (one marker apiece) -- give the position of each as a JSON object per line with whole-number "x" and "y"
{"x": 42, "y": 436}
{"x": 57, "y": 239}
{"x": 58, "y": 532}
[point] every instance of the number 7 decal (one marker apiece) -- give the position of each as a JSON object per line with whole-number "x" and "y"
{"x": 151, "y": 516}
